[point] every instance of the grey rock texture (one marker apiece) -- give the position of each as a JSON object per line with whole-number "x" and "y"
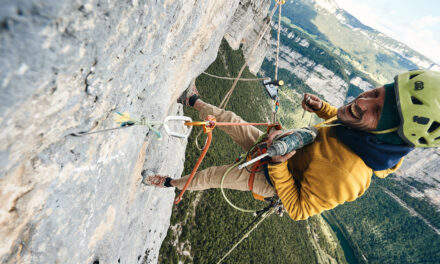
{"x": 68, "y": 66}
{"x": 245, "y": 28}
{"x": 423, "y": 166}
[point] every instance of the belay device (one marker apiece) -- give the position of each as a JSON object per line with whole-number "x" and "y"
{"x": 272, "y": 87}
{"x": 283, "y": 145}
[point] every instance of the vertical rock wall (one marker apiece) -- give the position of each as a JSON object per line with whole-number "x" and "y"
{"x": 67, "y": 66}
{"x": 423, "y": 166}
{"x": 245, "y": 28}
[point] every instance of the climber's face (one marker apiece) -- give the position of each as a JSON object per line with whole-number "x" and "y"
{"x": 363, "y": 113}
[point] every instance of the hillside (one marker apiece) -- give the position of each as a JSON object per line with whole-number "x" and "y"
{"x": 310, "y": 62}
{"x": 308, "y": 66}
{"x": 367, "y": 49}
{"x": 203, "y": 225}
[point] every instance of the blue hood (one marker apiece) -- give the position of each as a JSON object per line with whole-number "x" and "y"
{"x": 376, "y": 154}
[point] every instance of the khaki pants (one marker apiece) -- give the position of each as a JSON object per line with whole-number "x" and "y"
{"x": 245, "y": 137}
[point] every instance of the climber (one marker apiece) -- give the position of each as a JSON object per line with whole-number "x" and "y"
{"x": 373, "y": 133}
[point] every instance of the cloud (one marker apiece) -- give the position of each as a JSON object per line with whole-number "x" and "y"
{"x": 423, "y": 41}
{"x": 368, "y": 15}
{"x": 428, "y": 21}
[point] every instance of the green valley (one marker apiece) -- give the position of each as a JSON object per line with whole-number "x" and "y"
{"x": 203, "y": 224}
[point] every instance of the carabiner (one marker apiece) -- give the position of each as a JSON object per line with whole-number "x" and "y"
{"x": 177, "y": 118}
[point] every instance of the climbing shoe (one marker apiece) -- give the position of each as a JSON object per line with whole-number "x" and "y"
{"x": 157, "y": 181}
{"x": 190, "y": 95}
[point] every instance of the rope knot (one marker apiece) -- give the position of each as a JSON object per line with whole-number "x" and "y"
{"x": 210, "y": 124}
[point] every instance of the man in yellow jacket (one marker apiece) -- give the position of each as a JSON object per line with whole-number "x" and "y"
{"x": 337, "y": 167}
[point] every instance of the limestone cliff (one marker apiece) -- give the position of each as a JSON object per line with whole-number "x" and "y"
{"x": 320, "y": 79}
{"x": 422, "y": 165}
{"x": 245, "y": 28}
{"x": 68, "y": 66}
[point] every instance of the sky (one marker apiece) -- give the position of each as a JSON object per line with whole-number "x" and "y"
{"x": 415, "y": 23}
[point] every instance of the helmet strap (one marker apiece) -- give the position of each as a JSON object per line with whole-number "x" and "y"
{"x": 384, "y": 131}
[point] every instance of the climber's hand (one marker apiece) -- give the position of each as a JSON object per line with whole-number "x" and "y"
{"x": 273, "y": 134}
{"x": 311, "y": 103}
{"x": 279, "y": 159}
{"x": 279, "y": 134}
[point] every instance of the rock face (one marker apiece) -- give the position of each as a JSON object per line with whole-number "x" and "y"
{"x": 245, "y": 27}
{"x": 316, "y": 76}
{"x": 68, "y": 66}
{"x": 422, "y": 165}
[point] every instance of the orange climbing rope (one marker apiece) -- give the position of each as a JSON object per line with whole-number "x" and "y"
{"x": 199, "y": 161}
{"x": 208, "y": 125}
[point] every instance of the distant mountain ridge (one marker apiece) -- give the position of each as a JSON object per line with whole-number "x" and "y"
{"x": 389, "y": 43}
{"x": 326, "y": 51}
{"x": 369, "y": 50}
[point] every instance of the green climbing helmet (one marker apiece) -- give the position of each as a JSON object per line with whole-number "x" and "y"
{"x": 418, "y": 102}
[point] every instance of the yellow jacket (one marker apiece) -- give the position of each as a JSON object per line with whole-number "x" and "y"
{"x": 321, "y": 175}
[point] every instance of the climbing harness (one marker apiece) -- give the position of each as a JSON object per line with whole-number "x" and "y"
{"x": 242, "y": 159}
{"x": 224, "y": 194}
{"x": 256, "y": 149}
{"x": 208, "y": 125}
